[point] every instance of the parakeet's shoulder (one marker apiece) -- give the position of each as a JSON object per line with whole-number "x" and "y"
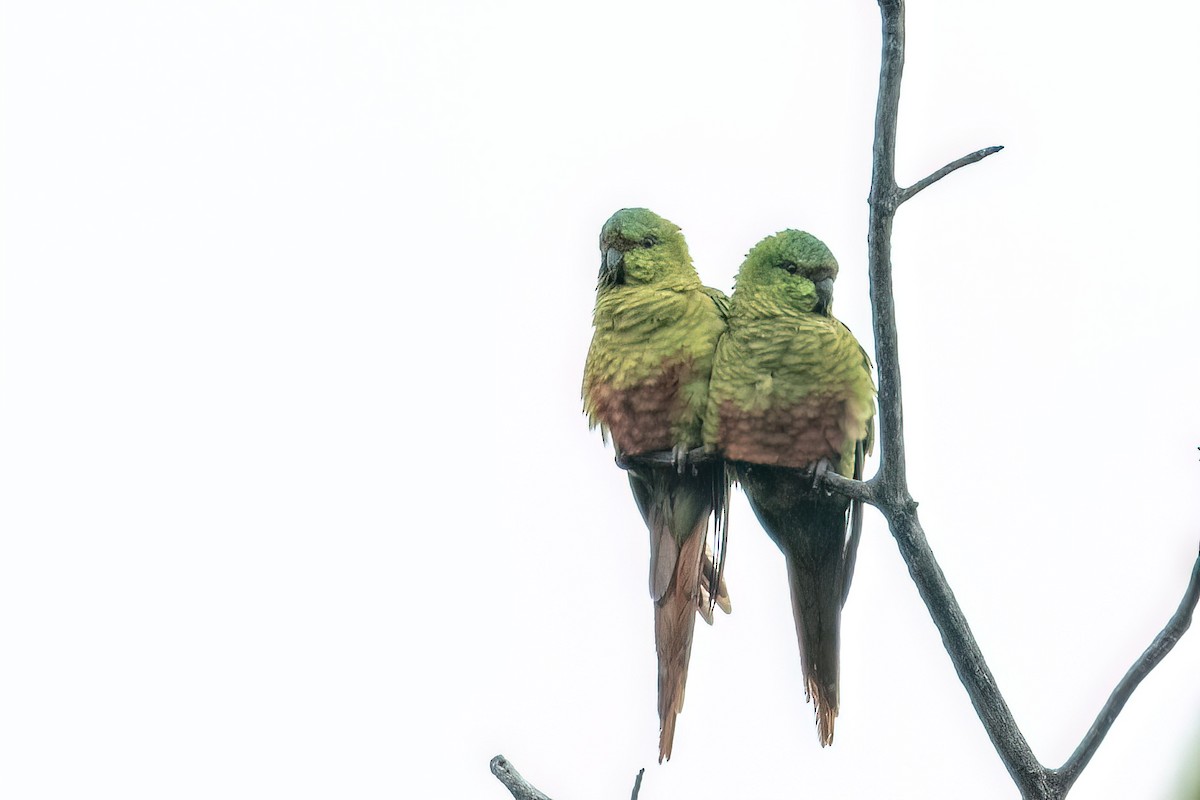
{"x": 719, "y": 298}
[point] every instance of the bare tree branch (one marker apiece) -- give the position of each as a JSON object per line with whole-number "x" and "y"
{"x": 520, "y": 788}
{"x": 697, "y": 455}
{"x": 965, "y": 654}
{"x": 888, "y": 490}
{"x": 970, "y": 158}
{"x": 855, "y": 490}
{"x": 1158, "y": 649}
{"x": 637, "y": 783}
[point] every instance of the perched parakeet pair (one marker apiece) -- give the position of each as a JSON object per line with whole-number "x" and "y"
{"x": 771, "y": 381}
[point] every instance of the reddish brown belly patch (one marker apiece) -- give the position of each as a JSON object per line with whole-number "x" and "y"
{"x": 641, "y": 416}
{"x": 788, "y": 437}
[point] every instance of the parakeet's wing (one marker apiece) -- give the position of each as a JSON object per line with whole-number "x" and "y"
{"x": 713, "y": 579}
{"x": 861, "y": 450}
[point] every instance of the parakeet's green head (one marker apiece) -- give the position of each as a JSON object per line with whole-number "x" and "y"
{"x": 638, "y": 247}
{"x": 792, "y": 269}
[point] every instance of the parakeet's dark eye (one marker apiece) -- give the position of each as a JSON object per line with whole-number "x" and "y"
{"x": 791, "y": 268}
{"x": 649, "y": 241}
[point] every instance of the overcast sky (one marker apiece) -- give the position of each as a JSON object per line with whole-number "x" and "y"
{"x": 296, "y": 496}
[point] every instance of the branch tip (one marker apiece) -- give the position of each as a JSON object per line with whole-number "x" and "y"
{"x": 924, "y": 183}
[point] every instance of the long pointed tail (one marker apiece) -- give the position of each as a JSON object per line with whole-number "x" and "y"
{"x": 674, "y": 624}
{"x": 814, "y": 563}
{"x": 685, "y": 575}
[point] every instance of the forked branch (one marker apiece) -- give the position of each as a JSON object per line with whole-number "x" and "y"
{"x": 888, "y": 490}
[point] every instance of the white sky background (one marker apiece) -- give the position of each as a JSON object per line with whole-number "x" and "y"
{"x": 295, "y": 492}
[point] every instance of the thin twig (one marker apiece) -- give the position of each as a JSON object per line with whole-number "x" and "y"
{"x": 637, "y": 783}
{"x": 665, "y": 457}
{"x": 855, "y": 490}
{"x": 520, "y": 788}
{"x": 1155, "y": 653}
{"x": 970, "y": 158}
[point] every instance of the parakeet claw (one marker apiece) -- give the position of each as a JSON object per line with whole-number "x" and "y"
{"x": 680, "y": 458}
{"x": 818, "y": 472}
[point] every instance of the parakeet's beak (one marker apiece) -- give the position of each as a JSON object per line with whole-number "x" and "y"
{"x": 824, "y": 295}
{"x": 612, "y": 267}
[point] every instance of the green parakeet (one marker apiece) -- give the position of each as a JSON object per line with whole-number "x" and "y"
{"x": 791, "y": 396}
{"x": 645, "y": 385}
